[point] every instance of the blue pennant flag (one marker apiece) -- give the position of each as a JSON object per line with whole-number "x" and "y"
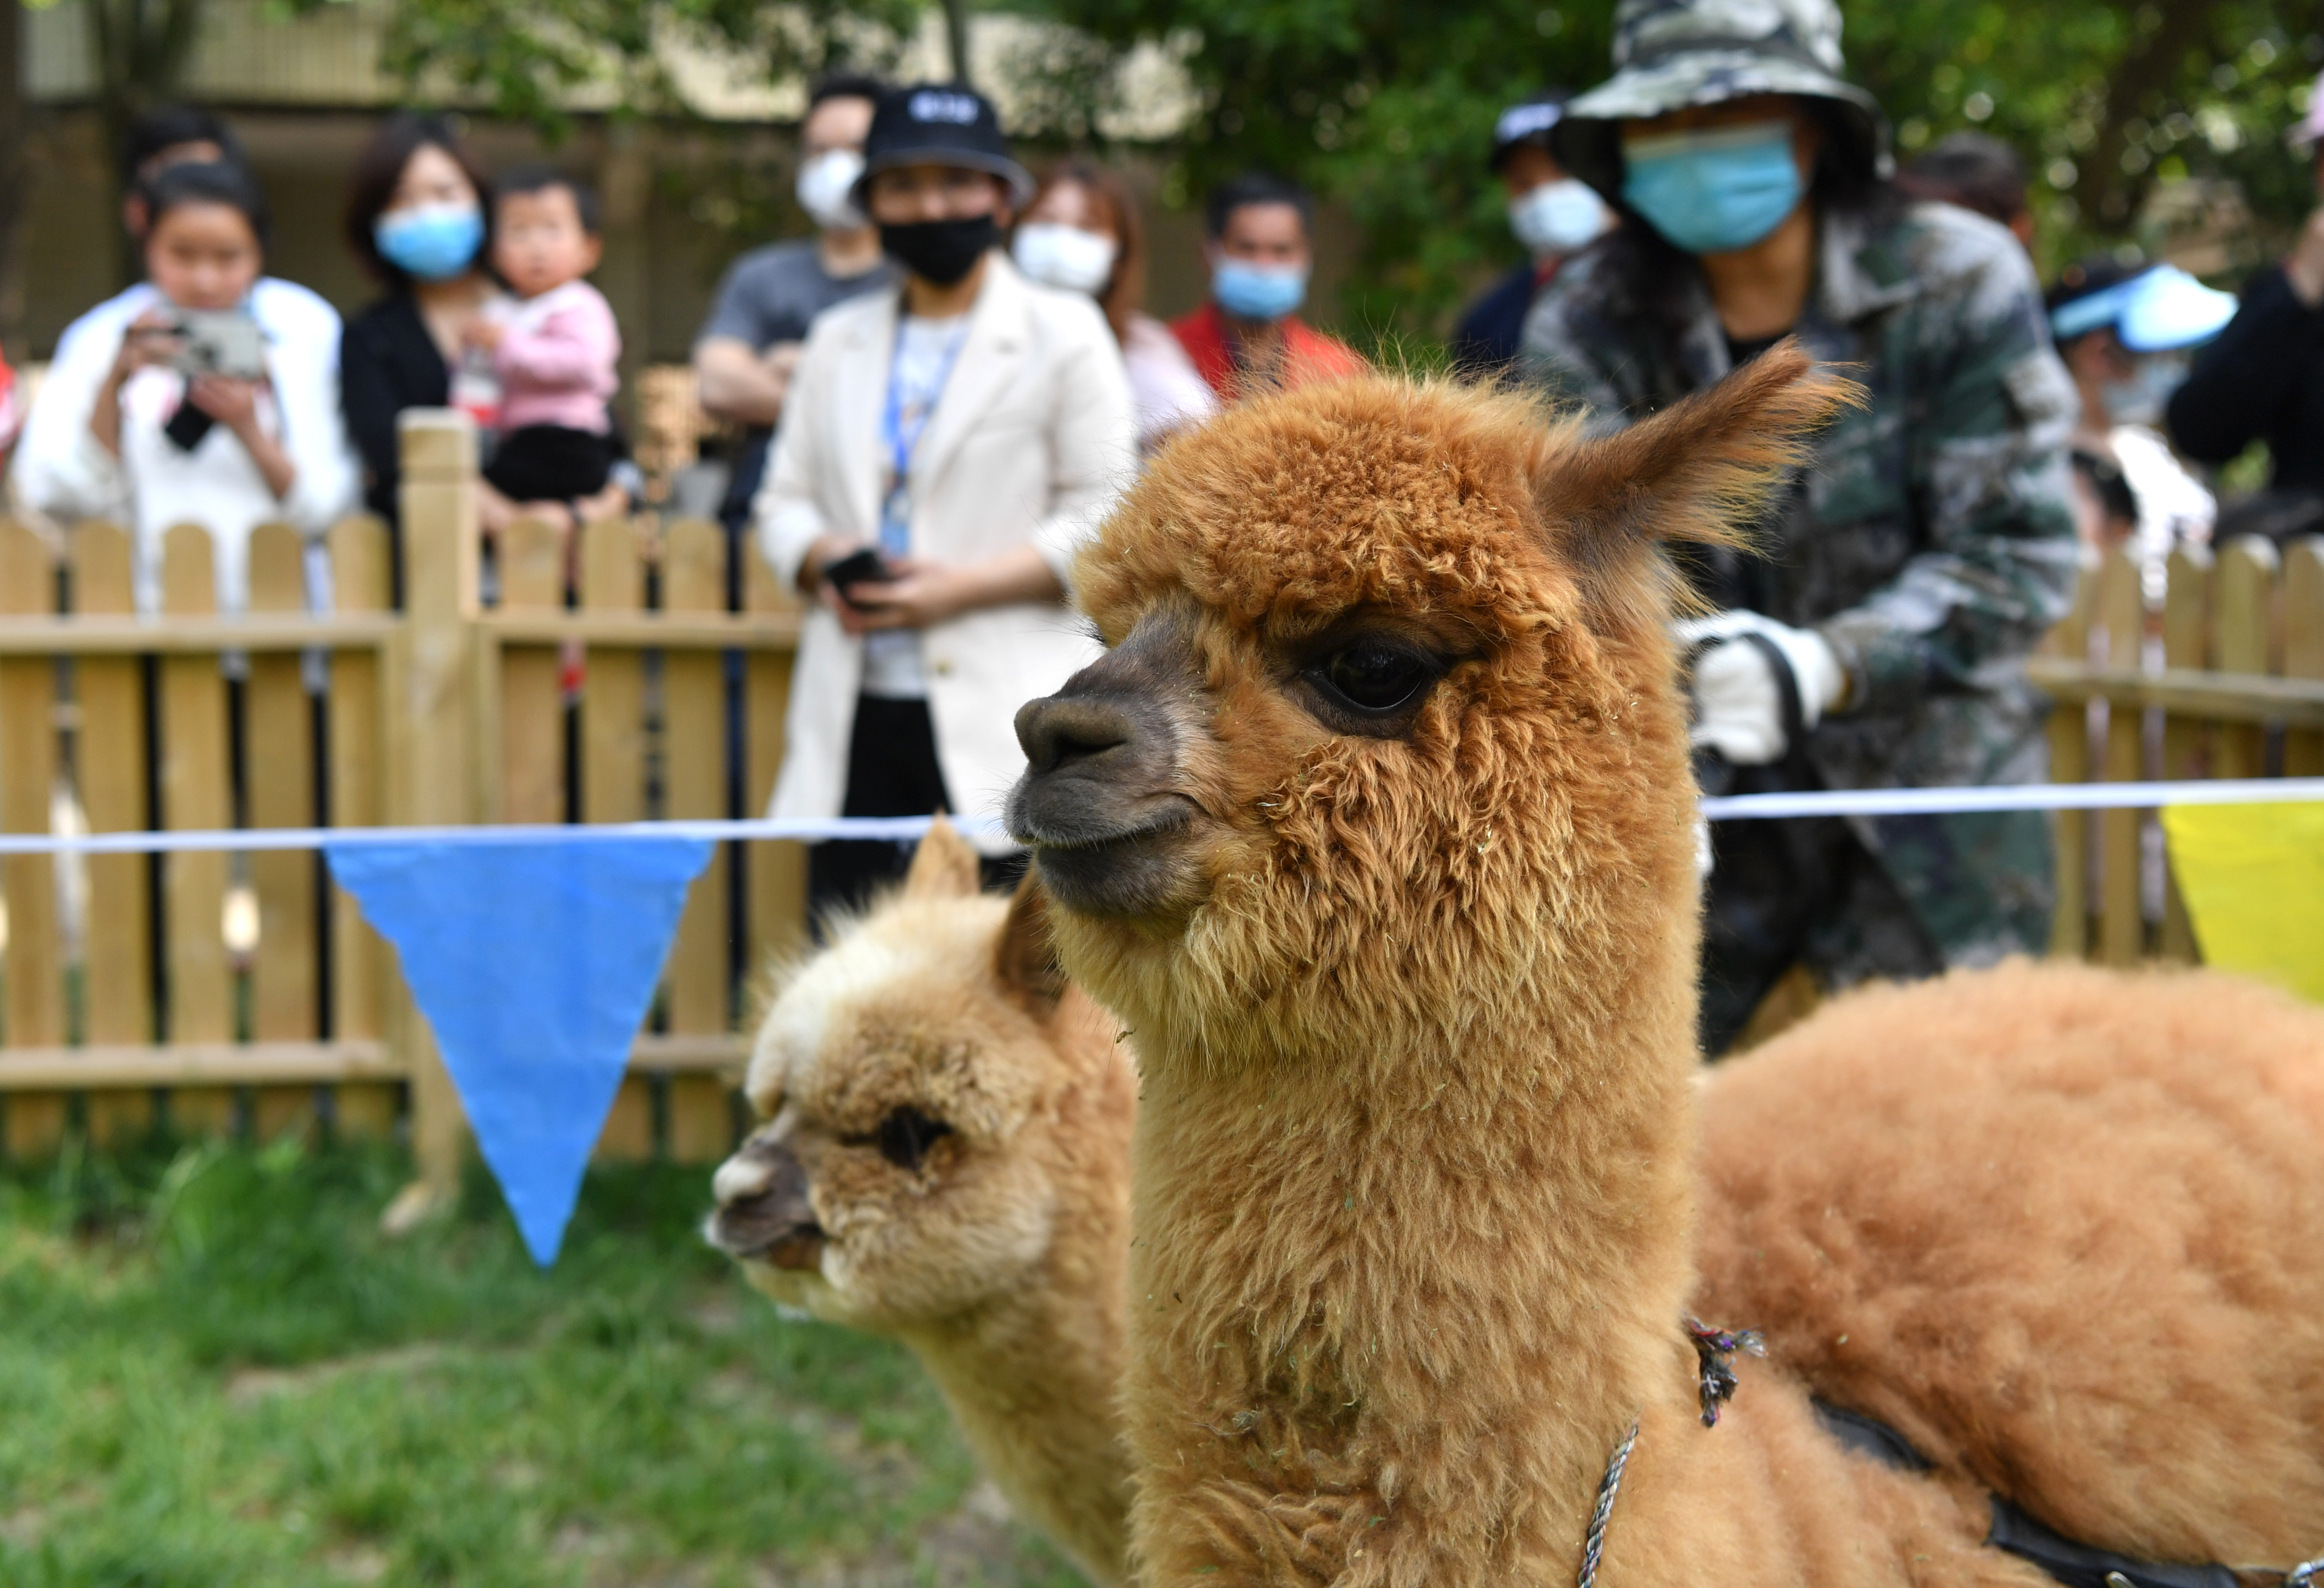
{"x": 535, "y": 965}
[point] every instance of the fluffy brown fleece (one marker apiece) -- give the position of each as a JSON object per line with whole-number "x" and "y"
{"x": 1987, "y": 1210}
{"x": 999, "y": 1259}
{"x": 2060, "y": 1227}
{"x": 1413, "y": 1170}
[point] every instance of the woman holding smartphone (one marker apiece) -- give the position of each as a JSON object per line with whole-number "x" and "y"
{"x": 945, "y": 446}
{"x": 130, "y": 424}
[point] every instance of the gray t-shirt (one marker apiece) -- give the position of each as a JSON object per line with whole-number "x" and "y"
{"x": 771, "y": 294}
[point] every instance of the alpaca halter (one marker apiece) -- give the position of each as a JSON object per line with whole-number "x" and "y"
{"x": 1717, "y": 1384}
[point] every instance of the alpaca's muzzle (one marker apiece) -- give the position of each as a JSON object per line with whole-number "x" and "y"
{"x": 1099, "y": 804}
{"x": 763, "y": 1208}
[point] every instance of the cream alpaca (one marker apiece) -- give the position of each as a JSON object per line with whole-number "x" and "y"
{"x": 1375, "y": 826}
{"x": 942, "y": 1163}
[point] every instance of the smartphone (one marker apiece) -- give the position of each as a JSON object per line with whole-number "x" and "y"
{"x": 857, "y": 567}
{"x": 219, "y": 342}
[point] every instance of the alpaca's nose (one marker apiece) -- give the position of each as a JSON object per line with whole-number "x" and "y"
{"x": 1062, "y": 729}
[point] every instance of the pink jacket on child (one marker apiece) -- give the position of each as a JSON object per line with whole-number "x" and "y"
{"x": 558, "y": 360}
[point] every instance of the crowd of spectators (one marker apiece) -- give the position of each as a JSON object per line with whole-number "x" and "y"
{"x": 937, "y": 392}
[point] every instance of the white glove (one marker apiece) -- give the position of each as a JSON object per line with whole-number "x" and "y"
{"x": 1738, "y": 701}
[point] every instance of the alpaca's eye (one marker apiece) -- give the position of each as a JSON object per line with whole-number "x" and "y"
{"x": 1375, "y": 675}
{"x": 905, "y": 1136}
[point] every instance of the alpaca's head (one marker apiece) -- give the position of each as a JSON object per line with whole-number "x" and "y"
{"x": 934, "y": 1099}
{"x": 1388, "y": 731}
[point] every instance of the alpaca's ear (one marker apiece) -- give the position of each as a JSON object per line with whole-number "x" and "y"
{"x": 943, "y": 867}
{"x": 1027, "y": 960}
{"x": 1698, "y": 471}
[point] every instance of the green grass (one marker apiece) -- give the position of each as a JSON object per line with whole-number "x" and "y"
{"x": 215, "y": 1370}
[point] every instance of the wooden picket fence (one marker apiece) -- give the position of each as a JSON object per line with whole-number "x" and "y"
{"x": 124, "y": 1006}
{"x": 2225, "y": 679}
{"x": 447, "y": 711}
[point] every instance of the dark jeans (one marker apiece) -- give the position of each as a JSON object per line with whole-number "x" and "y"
{"x": 1786, "y": 892}
{"x": 892, "y": 771}
{"x": 552, "y": 463}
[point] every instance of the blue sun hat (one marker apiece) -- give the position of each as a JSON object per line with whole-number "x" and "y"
{"x": 2158, "y": 310}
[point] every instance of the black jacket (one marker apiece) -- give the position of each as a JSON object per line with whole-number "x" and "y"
{"x": 2262, "y": 380}
{"x": 388, "y": 363}
{"x": 1493, "y": 327}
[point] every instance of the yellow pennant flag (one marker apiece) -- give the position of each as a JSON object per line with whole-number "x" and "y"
{"x": 2253, "y": 876}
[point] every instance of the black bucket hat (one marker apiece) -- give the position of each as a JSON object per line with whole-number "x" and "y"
{"x": 940, "y": 124}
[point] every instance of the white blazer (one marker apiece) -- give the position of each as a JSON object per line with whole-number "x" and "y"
{"x": 1030, "y": 442}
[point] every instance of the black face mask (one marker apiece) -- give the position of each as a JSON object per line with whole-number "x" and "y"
{"x": 941, "y": 251}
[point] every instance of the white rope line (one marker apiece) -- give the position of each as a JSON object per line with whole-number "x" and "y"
{"x": 2015, "y": 796}
{"x": 1873, "y": 802}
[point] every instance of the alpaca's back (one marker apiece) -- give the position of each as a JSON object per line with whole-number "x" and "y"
{"x": 2066, "y": 1214}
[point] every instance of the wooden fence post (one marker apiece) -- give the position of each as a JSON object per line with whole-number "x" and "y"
{"x": 360, "y": 961}
{"x": 433, "y": 759}
{"x": 117, "y": 942}
{"x": 196, "y": 794}
{"x": 2240, "y": 590}
{"x": 2069, "y": 762}
{"x": 28, "y": 758}
{"x": 2303, "y": 645}
{"x": 2122, "y": 937}
{"x": 614, "y": 760}
{"x": 2186, "y": 740}
{"x": 694, "y": 767}
{"x": 279, "y": 772}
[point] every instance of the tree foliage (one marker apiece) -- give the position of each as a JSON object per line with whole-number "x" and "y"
{"x": 1389, "y": 108}
{"x": 535, "y": 62}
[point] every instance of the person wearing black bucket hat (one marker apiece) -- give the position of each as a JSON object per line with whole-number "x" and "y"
{"x": 1876, "y": 635}
{"x": 945, "y": 447}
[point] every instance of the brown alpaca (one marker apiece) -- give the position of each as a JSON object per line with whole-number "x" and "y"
{"x": 1376, "y": 828}
{"x": 1882, "y": 1184}
{"x": 942, "y": 1163}
{"x": 2056, "y": 1225}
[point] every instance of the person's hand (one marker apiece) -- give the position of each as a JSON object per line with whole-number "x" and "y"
{"x": 151, "y": 339}
{"x": 821, "y": 553}
{"x": 1739, "y": 700}
{"x": 232, "y": 403}
{"x": 484, "y": 333}
{"x": 781, "y": 360}
{"x": 922, "y": 593}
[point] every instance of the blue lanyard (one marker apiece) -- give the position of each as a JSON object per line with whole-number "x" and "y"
{"x": 901, "y": 444}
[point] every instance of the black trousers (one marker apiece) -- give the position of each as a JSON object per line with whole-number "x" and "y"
{"x": 892, "y": 771}
{"x": 1788, "y": 892}
{"x": 552, "y": 463}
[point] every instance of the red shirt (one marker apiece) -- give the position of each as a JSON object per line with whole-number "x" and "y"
{"x": 1308, "y": 355}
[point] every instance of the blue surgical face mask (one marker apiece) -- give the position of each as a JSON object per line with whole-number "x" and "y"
{"x": 2141, "y": 400}
{"x": 433, "y": 242}
{"x": 1715, "y": 191}
{"x": 1258, "y": 291}
{"x": 1558, "y": 217}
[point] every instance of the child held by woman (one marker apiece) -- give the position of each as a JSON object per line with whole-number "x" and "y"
{"x": 556, "y": 349}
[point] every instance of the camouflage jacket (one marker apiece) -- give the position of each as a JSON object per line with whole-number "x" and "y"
{"x": 1930, "y": 541}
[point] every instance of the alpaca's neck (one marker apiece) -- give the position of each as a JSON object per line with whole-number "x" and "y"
{"x": 1433, "y": 1283}
{"x": 1032, "y": 1379}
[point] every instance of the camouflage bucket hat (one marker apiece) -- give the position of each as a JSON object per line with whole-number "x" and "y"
{"x": 1672, "y": 54}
